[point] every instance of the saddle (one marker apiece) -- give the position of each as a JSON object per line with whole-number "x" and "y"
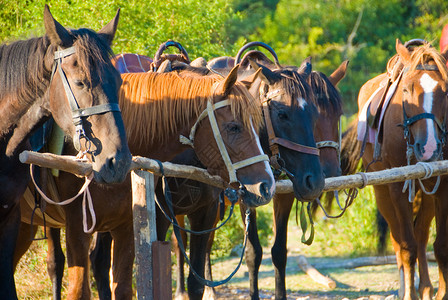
{"x": 377, "y": 105}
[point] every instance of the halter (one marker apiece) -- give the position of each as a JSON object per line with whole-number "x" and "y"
{"x": 407, "y": 122}
{"x": 231, "y": 167}
{"x": 276, "y": 161}
{"x": 78, "y": 114}
{"x": 332, "y": 144}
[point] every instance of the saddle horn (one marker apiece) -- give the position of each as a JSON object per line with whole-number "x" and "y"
{"x": 158, "y": 57}
{"x": 261, "y": 44}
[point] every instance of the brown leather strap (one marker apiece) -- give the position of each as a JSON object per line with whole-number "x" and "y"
{"x": 271, "y": 134}
{"x": 295, "y": 147}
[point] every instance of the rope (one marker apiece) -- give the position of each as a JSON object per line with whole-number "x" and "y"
{"x": 86, "y": 197}
{"x": 176, "y": 227}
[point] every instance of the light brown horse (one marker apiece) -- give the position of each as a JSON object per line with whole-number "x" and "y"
{"x": 156, "y": 109}
{"x": 419, "y": 106}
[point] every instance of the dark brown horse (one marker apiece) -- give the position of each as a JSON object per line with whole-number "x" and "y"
{"x": 418, "y": 105}
{"x": 157, "y": 108}
{"x": 30, "y": 93}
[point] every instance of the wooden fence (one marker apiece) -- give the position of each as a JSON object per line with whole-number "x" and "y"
{"x": 153, "y": 275}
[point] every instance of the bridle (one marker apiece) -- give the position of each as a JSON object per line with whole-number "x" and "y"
{"x": 274, "y": 142}
{"x": 332, "y": 144}
{"x": 231, "y": 167}
{"x": 78, "y": 113}
{"x": 410, "y": 148}
{"x": 407, "y": 122}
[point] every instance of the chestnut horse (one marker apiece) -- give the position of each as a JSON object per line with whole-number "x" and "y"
{"x": 82, "y": 81}
{"x": 292, "y": 106}
{"x": 157, "y": 108}
{"x": 418, "y": 105}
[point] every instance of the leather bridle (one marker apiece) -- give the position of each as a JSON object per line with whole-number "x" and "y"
{"x": 231, "y": 167}
{"x": 78, "y": 113}
{"x": 274, "y": 142}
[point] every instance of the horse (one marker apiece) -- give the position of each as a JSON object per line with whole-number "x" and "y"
{"x": 253, "y": 254}
{"x": 416, "y": 102}
{"x": 67, "y": 75}
{"x": 170, "y": 105}
{"x": 291, "y": 95}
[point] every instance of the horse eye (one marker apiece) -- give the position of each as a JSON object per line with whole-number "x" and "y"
{"x": 79, "y": 83}
{"x": 282, "y": 115}
{"x": 233, "y": 128}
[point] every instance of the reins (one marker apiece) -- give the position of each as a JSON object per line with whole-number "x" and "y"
{"x": 78, "y": 116}
{"x": 177, "y": 227}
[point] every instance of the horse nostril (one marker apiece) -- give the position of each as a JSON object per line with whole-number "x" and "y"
{"x": 264, "y": 190}
{"x": 110, "y": 163}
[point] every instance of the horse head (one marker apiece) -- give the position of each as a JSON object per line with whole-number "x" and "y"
{"x": 290, "y": 114}
{"x": 423, "y": 90}
{"x": 237, "y": 156}
{"x": 327, "y": 130}
{"x": 83, "y": 95}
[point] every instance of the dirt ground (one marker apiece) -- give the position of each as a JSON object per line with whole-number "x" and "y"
{"x": 370, "y": 282}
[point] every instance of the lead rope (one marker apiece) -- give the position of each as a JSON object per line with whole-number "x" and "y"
{"x": 176, "y": 226}
{"x": 410, "y": 183}
{"x": 86, "y": 198}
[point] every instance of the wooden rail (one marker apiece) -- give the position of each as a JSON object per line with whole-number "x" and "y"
{"x": 69, "y": 164}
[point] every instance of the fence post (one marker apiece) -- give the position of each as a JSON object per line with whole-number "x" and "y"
{"x": 143, "y": 209}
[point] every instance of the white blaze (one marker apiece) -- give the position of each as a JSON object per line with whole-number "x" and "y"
{"x": 266, "y": 164}
{"x": 428, "y": 84}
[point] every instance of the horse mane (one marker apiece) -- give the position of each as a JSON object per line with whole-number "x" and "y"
{"x": 155, "y": 105}
{"x": 425, "y": 54}
{"x": 296, "y": 86}
{"x": 25, "y": 70}
{"x": 327, "y": 96}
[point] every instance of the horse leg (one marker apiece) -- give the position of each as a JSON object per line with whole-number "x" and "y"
{"x": 441, "y": 242}
{"x": 422, "y": 224}
{"x": 282, "y": 208}
{"x": 200, "y": 220}
{"x": 10, "y": 223}
{"x": 100, "y": 258}
{"x": 123, "y": 260}
{"x": 55, "y": 260}
{"x": 180, "y": 274}
{"x": 396, "y": 209}
{"x": 24, "y": 240}
{"x": 254, "y": 252}
{"x": 77, "y": 244}
{"x": 210, "y": 292}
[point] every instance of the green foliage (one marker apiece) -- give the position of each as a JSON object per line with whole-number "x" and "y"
{"x": 143, "y": 26}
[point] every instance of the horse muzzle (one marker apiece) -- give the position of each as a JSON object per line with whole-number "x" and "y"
{"x": 254, "y": 195}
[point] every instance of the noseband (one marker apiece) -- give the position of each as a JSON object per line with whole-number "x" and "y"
{"x": 78, "y": 114}
{"x": 276, "y": 161}
{"x": 407, "y": 122}
{"x": 231, "y": 167}
{"x": 332, "y": 144}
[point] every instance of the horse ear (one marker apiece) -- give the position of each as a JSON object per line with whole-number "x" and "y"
{"x": 306, "y": 67}
{"x": 403, "y": 52}
{"x": 108, "y": 31}
{"x": 229, "y": 81}
{"x": 339, "y": 73}
{"x": 57, "y": 34}
{"x": 266, "y": 75}
{"x": 249, "y": 80}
